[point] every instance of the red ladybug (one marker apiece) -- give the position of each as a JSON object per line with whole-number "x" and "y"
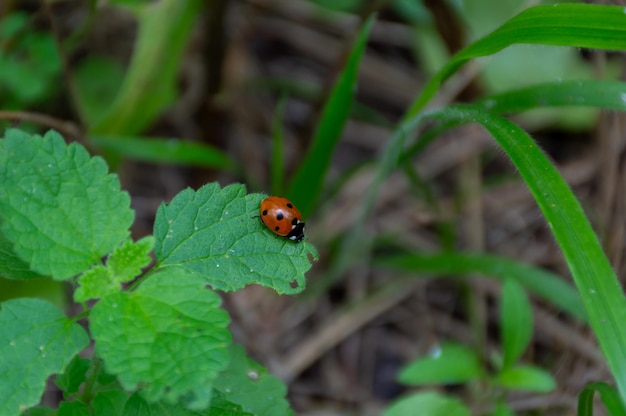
{"x": 282, "y": 217}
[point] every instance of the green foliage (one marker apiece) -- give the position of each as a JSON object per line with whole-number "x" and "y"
{"x": 609, "y": 396}
{"x": 517, "y": 322}
{"x": 428, "y": 403}
{"x": 216, "y": 233}
{"x": 29, "y": 63}
{"x": 307, "y": 184}
{"x": 448, "y": 364}
{"x": 36, "y": 340}
{"x": 55, "y": 201}
{"x": 162, "y": 346}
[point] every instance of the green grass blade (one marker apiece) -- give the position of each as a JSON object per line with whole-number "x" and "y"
{"x": 608, "y": 395}
{"x": 577, "y": 25}
{"x": 150, "y": 83}
{"x": 587, "y": 93}
{"x": 306, "y": 186}
{"x": 544, "y": 284}
{"x": 165, "y": 150}
{"x": 595, "y": 279}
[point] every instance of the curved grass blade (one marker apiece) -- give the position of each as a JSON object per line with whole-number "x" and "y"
{"x": 595, "y": 279}
{"x": 306, "y": 186}
{"x": 608, "y": 395}
{"x": 587, "y": 93}
{"x": 577, "y": 25}
{"x": 544, "y": 284}
{"x": 166, "y": 150}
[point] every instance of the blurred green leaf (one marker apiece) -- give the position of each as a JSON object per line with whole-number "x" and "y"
{"x": 577, "y": 25}
{"x": 427, "y": 404}
{"x": 528, "y": 378}
{"x": 307, "y": 184}
{"x": 448, "y": 364}
{"x": 165, "y": 150}
{"x": 150, "y": 83}
{"x": 73, "y": 376}
{"x": 98, "y": 80}
{"x": 548, "y": 286}
{"x": 73, "y": 408}
{"x": 516, "y": 321}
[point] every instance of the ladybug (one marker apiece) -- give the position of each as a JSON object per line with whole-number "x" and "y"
{"x": 282, "y": 217}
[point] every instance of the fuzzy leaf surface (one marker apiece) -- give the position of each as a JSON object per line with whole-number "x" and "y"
{"x": 216, "y": 233}
{"x": 36, "y": 341}
{"x": 170, "y": 336}
{"x": 59, "y": 207}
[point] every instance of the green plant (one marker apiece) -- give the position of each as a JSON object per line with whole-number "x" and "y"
{"x": 161, "y": 345}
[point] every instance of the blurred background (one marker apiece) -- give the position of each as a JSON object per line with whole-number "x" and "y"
{"x": 232, "y": 75}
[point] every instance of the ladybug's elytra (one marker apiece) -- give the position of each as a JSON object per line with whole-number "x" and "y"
{"x": 282, "y": 217}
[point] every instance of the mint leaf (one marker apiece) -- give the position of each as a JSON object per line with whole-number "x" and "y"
{"x": 170, "y": 336}
{"x": 247, "y": 383}
{"x": 36, "y": 340}
{"x": 73, "y": 409}
{"x": 137, "y": 406}
{"x": 217, "y": 234}
{"x": 59, "y": 207}
{"x": 127, "y": 260}
{"x": 123, "y": 264}
{"x": 73, "y": 376}
{"x": 11, "y": 266}
{"x": 109, "y": 402}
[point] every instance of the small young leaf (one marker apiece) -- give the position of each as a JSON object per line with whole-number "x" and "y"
{"x": 449, "y": 364}
{"x": 59, "y": 207}
{"x": 73, "y": 376}
{"x": 427, "y": 403}
{"x": 95, "y": 283}
{"x": 169, "y": 336}
{"x": 36, "y": 341}
{"x": 248, "y": 384}
{"x": 123, "y": 265}
{"x": 516, "y": 321}
{"x": 109, "y": 402}
{"x": 527, "y": 378}
{"x": 216, "y": 233}
{"x": 127, "y": 260}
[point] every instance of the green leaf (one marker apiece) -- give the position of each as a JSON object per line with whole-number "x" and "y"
{"x": 39, "y": 411}
{"x": 73, "y": 376}
{"x": 216, "y": 233}
{"x": 587, "y": 93}
{"x": 166, "y": 150}
{"x": 448, "y": 364}
{"x": 123, "y": 265}
{"x": 306, "y": 186}
{"x": 595, "y": 279}
{"x": 98, "y": 79}
{"x": 60, "y": 208}
{"x": 73, "y": 409}
{"x": 151, "y": 80}
{"x": 429, "y": 404}
{"x": 11, "y": 266}
{"x": 169, "y": 336}
{"x": 36, "y": 341}
{"x": 527, "y": 378}
{"x": 109, "y": 402}
{"x": 516, "y": 321}
{"x": 137, "y": 406}
{"x": 248, "y": 384}
{"x": 577, "y": 25}
{"x": 548, "y": 286}
{"x": 127, "y": 260}
{"x": 608, "y": 395}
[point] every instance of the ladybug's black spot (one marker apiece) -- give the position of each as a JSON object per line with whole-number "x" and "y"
{"x": 277, "y": 228}
{"x": 289, "y": 205}
{"x": 279, "y": 216}
{"x": 264, "y": 212}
